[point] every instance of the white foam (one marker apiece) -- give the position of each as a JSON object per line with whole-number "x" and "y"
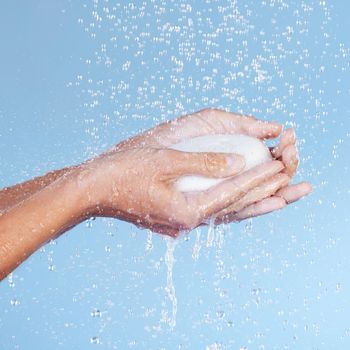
{"x": 254, "y": 151}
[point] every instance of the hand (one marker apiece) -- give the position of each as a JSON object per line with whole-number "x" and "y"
{"x": 136, "y": 185}
{"x": 200, "y": 123}
{"x": 275, "y": 193}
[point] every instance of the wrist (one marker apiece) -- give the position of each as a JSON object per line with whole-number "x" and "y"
{"x": 97, "y": 185}
{"x": 81, "y": 184}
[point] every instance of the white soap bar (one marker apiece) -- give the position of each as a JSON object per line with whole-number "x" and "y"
{"x": 254, "y": 151}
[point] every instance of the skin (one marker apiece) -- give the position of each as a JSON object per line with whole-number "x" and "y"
{"x": 133, "y": 181}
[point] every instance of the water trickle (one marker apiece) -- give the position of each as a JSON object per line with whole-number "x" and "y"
{"x": 10, "y": 280}
{"x": 220, "y": 236}
{"x": 211, "y": 232}
{"x": 170, "y": 288}
{"x": 197, "y": 245}
{"x": 149, "y": 242}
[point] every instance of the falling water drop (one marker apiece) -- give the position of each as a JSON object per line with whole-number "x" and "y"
{"x": 14, "y": 302}
{"x": 95, "y": 340}
{"x": 95, "y": 313}
{"x": 10, "y": 280}
{"x": 51, "y": 267}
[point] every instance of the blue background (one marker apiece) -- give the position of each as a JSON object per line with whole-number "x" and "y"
{"x": 77, "y": 77}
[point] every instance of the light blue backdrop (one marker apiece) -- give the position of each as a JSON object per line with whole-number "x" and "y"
{"x": 79, "y": 76}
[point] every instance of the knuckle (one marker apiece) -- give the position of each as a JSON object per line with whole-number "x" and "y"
{"x": 209, "y": 112}
{"x": 212, "y": 162}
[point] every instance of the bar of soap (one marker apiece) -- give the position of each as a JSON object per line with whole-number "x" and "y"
{"x": 254, "y": 151}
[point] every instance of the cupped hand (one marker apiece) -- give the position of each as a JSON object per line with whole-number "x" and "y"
{"x": 272, "y": 194}
{"x": 276, "y": 192}
{"x": 136, "y": 185}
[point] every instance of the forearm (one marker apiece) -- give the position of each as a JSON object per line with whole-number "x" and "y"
{"x": 11, "y": 196}
{"x": 40, "y": 217}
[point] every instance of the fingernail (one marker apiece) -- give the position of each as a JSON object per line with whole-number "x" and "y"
{"x": 235, "y": 162}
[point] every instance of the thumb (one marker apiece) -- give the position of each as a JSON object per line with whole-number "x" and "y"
{"x": 208, "y": 164}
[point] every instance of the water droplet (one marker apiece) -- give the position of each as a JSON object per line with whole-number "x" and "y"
{"x": 52, "y": 267}
{"x": 170, "y": 289}
{"x": 211, "y": 232}
{"x": 88, "y": 223}
{"x": 14, "y": 302}
{"x": 95, "y": 340}
{"x": 220, "y": 313}
{"x": 10, "y": 280}
{"x": 95, "y": 313}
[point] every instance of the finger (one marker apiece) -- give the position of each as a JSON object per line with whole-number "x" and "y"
{"x": 288, "y": 195}
{"x": 208, "y": 164}
{"x": 290, "y": 160}
{"x": 288, "y": 137}
{"x": 265, "y": 190}
{"x": 224, "y": 194}
{"x": 210, "y": 122}
{"x": 205, "y": 122}
{"x": 293, "y": 193}
{"x": 264, "y": 206}
{"x": 263, "y": 130}
{"x": 232, "y": 123}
